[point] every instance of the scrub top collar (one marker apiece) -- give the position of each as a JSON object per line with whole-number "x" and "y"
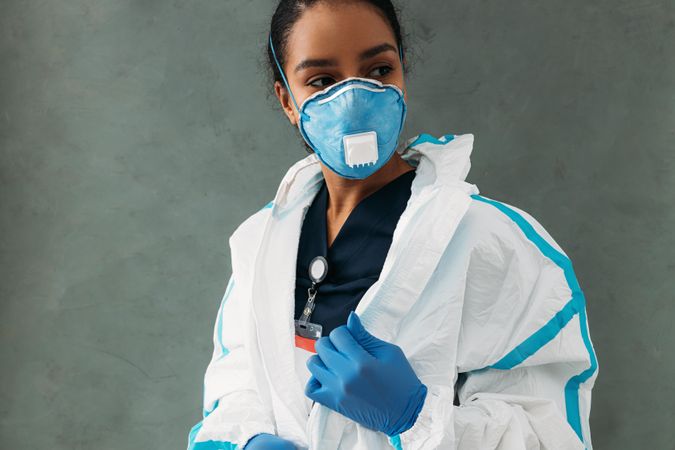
{"x": 370, "y": 209}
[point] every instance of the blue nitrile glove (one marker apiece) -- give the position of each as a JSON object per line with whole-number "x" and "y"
{"x": 365, "y": 378}
{"x": 266, "y": 441}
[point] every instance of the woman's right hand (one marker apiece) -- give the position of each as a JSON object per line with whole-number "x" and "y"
{"x": 266, "y": 441}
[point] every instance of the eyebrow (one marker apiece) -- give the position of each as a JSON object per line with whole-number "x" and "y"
{"x": 307, "y": 63}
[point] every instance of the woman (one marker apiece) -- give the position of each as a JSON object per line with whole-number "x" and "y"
{"x": 378, "y": 301}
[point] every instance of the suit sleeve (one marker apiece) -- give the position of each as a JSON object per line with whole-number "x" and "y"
{"x": 525, "y": 362}
{"x": 232, "y": 409}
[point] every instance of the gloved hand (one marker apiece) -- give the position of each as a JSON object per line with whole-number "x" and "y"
{"x": 266, "y": 441}
{"x": 366, "y": 379}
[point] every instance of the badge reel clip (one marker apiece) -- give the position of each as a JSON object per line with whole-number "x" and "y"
{"x": 318, "y": 268}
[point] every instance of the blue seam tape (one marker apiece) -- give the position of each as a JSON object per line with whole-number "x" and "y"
{"x": 425, "y": 137}
{"x": 395, "y": 441}
{"x": 545, "y": 334}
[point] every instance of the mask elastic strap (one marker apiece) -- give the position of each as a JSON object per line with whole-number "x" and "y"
{"x": 400, "y": 55}
{"x": 284, "y": 78}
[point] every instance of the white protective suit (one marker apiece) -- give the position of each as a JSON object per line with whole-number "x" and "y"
{"x": 469, "y": 285}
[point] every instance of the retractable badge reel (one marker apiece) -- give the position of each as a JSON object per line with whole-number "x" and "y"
{"x": 318, "y": 268}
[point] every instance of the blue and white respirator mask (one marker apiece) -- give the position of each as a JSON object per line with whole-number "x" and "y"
{"x": 354, "y": 125}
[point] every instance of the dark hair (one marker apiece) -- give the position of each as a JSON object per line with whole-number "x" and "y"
{"x": 289, "y": 11}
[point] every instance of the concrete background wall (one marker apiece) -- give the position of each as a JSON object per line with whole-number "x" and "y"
{"x": 136, "y": 135}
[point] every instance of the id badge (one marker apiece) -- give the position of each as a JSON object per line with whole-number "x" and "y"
{"x": 306, "y": 335}
{"x": 306, "y": 332}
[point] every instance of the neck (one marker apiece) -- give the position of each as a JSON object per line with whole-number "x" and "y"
{"x": 345, "y": 193}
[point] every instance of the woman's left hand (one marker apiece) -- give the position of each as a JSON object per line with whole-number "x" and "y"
{"x": 267, "y": 441}
{"x": 366, "y": 379}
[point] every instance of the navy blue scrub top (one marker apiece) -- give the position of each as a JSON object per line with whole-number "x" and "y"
{"x": 357, "y": 254}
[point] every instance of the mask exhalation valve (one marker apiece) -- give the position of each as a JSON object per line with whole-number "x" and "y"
{"x": 360, "y": 148}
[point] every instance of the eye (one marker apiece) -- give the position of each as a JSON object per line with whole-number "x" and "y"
{"x": 321, "y": 82}
{"x": 381, "y": 71}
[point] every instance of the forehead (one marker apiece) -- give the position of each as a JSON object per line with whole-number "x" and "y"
{"x": 337, "y": 31}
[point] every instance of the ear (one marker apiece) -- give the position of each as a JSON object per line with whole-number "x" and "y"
{"x": 286, "y": 102}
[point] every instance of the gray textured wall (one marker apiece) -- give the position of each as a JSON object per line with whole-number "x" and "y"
{"x": 136, "y": 135}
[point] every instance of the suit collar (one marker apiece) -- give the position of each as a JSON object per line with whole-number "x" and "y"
{"x": 441, "y": 161}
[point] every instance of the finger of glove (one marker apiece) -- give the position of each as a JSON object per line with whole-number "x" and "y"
{"x": 368, "y": 342}
{"x": 319, "y": 370}
{"x": 335, "y": 361}
{"x": 312, "y": 386}
{"x": 344, "y": 342}
{"x": 317, "y": 392}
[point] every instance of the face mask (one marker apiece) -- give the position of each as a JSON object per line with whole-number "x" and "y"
{"x": 354, "y": 125}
